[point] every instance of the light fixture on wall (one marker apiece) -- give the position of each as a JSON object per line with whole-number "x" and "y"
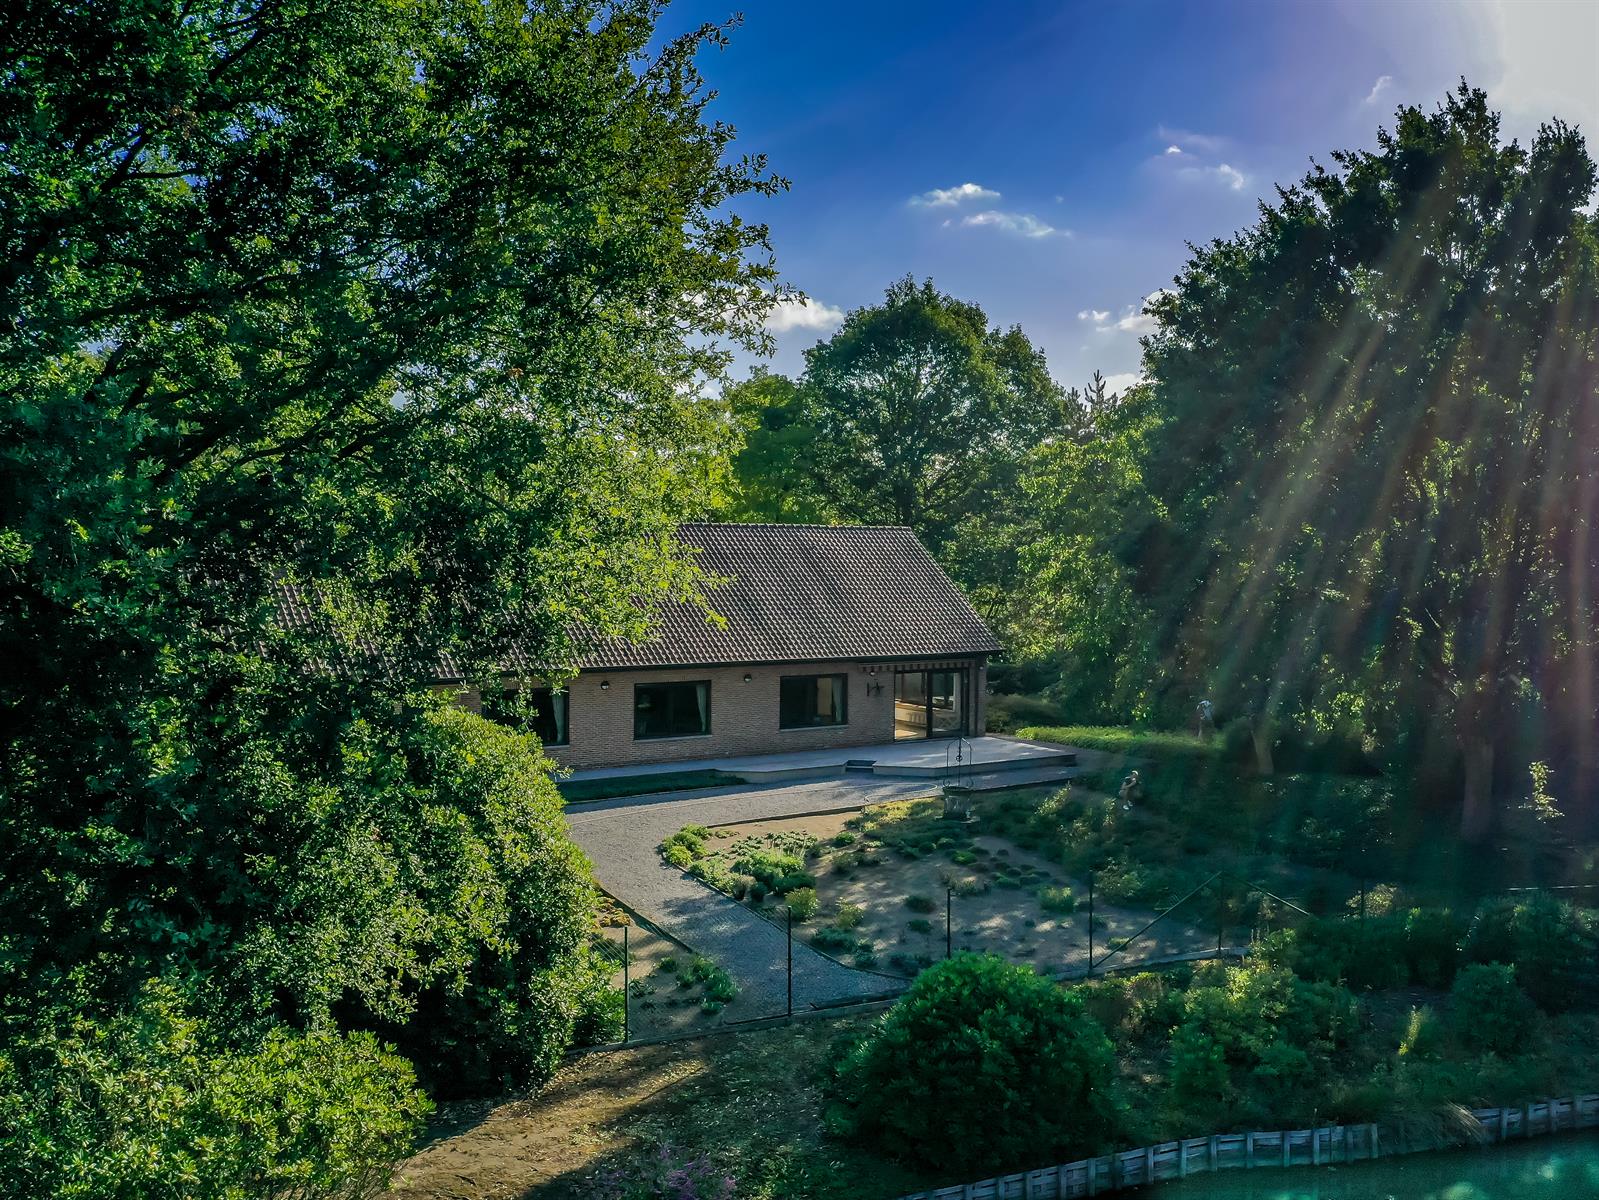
{"x": 748, "y": 677}
{"x": 605, "y": 685}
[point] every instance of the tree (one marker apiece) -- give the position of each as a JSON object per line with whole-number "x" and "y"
{"x": 391, "y": 311}
{"x": 1367, "y": 405}
{"x": 776, "y": 466}
{"x": 921, "y": 411}
{"x": 982, "y": 1064}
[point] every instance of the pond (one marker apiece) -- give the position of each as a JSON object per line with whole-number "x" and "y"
{"x": 1558, "y": 1168}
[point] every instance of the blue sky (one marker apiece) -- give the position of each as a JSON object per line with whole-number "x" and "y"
{"x": 1097, "y": 138}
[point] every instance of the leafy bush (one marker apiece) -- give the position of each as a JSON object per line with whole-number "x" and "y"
{"x": 1058, "y": 900}
{"x": 1423, "y": 1034}
{"x": 718, "y": 984}
{"x": 1433, "y": 938}
{"x": 1488, "y": 1009}
{"x": 1255, "y": 1021}
{"x": 802, "y": 903}
{"x": 678, "y": 855}
{"x": 1365, "y": 955}
{"x": 981, "y": 1065}
{"x": 1551, "y": 944}
{"x": 1008, "y": 713}
{"x": 848, "y": 916}
{"x": 919, "y": 925}
{"x": 920, "y": 904}
{"x": 769, "y": 866}
{"x": 690, "y": 839}
{"x": 794, "y": 881}
{"x": 139, "y": 1105}
{"x": 844, "y": 837}
{"x": 834, "y": 941}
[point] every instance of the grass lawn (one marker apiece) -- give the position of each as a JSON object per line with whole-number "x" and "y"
{"x": 576, "y": 791}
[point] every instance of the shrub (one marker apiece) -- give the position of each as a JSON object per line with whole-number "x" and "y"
{"x": 1423, "y": 1034}
{"x": 718, "y": 984}
{"x": 768, "y": 866}
{"x": 981, "y": 1065}
{"x": 802, "y": 903}
{"x": 138, "y": 1105}
{"x": 833, "y": 940}
{"x": 919, "y": 925}
{"x": 793, "y": 881}
{"x": 667, "y": 965}
{"x": 1549, "y": 942}
{"x": 1433, "y": 938}
{"x": 1058, "y": 900}
{"x": 844, "y": 837}
{"x": 848, "y": 915}
{"x": 920, "y": 904}
{"x": 1489, "y": 1011}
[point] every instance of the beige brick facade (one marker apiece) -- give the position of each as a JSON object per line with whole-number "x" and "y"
{"x": 743, "y": 715}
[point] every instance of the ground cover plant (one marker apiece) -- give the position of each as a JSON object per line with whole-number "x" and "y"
{"x": 871, "y": 889}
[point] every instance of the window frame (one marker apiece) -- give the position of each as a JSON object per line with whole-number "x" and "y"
{"x": 843, "y": 695}
{"x": 673, "y": 683}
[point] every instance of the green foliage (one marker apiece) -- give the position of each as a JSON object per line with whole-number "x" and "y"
{"x": 913, "y": 413}
{"x": 1489, "y": 1011}
{"x": 1008, "y": 714}
{"x": 143, "y": 1105}
{"x": 1553, "y": 946}
{"x": 919, "y": 903}
{"x": 1342, "y": 397}
{"x": 1134, "y": 743}
{"x": 719, "y": 987}
{"x": 678, "y": 855}
{"x": 1255, "y": 1023}
{"x": 834, "y": 940}
{"x": 1057, "y": 900}
{"x": 982, "y": 1065}
{"x": 333, "y": 304}
{"x": 848, "y": 915}
{"x": 919, "y": 925}
{"x": 802, "y": 903}
{"x": 1423, "y": 1036}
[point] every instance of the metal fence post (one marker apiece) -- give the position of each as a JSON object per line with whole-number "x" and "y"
{"x": 949, "y": 908}
{"x": 1090, "y": 925}
{"x": 626, "y": 979}
{"x": 790, "y": 913}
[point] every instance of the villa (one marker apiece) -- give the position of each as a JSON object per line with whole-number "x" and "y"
{"x": 833, "y": 636}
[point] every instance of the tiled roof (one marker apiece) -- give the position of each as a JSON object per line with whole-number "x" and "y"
{"x": 798, "y": 593}
{"x": 793, "y": 593}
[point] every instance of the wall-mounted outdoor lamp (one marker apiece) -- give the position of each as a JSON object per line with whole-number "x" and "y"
{"x": 748, "y": 677}
{"x": 605, "y": 685}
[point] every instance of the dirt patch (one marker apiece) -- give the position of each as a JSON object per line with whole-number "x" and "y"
{"x": 610, "y": 1111}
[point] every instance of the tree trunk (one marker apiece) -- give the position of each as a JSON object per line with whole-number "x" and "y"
{"x": 1260, "y": 734}
{"x": 1477, "y": 808}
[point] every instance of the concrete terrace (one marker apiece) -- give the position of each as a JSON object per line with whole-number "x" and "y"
{"x": 907, "y": 759}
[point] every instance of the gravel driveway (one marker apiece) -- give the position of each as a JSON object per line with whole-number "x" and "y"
{"x": 621, "y": 836}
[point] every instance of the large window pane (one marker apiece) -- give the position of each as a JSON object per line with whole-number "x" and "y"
{"x": 671, "y": 709}
{"x": 538, "y": 710}
{"x": 809, "y": 700}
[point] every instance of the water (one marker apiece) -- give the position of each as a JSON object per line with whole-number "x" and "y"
{"x": 1557, "y": 1168}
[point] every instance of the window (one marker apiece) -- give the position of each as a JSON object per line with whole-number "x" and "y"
{"x": 536, "y": 710}
{"x": 547, "y": 715}
{"x": 807, "y": 700}
{"x": 663, "y": 710}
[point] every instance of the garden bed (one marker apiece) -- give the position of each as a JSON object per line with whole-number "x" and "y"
{"x": 872, "y": 889}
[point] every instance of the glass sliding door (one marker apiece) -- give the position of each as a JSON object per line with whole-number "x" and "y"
{"x": 946, "y": 698}
{"x": 931, "y": 703}
{"x": 910, "y": 704}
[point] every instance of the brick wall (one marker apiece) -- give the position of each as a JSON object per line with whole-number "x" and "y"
{"x": 744, "y": 716}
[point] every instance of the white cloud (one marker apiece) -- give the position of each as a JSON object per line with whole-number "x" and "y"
{"x": 950, "y": 197}
{"x": 1174, "y": 149}
{"x": 1384, "y": 83}
{"x": 1019, "y": 223}
{"x": 1223, "y": 173}
{"x": 1133, "y": 319}
{"x": 1187, "y": 139}
{"x": 803, "y": 313}
{"x": 1121, "y": 382}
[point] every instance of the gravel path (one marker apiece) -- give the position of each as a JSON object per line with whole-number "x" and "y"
{"x": 621, "y": 836}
